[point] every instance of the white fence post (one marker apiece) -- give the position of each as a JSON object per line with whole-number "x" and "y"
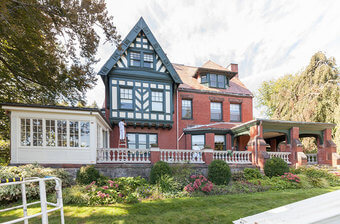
{"x": 24, "y": 201}
{"x": 43, "y": 202}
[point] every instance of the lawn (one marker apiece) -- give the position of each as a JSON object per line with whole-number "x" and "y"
{"x": 212, "y": 209}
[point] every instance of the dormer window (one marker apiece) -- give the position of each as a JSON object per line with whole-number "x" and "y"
{"x": 215, "y": 81}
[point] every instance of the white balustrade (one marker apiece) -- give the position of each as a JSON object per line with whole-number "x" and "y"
{"x": 282, "y": 155}
{"x": 123, "y": 155}
{"x": 312, "y": 158}
{"x": 237, "y": 157}
{"x": 181, "y": 156}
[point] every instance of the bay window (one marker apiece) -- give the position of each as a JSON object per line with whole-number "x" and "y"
{"x": 220, "y": 142}
{"x": 215, "y": 81}
{"x": 197, "y": 141}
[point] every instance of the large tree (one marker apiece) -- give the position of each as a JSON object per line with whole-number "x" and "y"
{"x": 310, "y": 95}
{"x": 48, "y": 49}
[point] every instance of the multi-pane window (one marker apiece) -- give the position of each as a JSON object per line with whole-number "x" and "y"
{"x": 37, "y": 132}
{"x": 221, "y": 81}
{"x": 58, "y": 133}
{"x": 135, "y": 58}
{"x": 50, "y": 133}
{"x": 219, "y": 142}
{"x": 62, "y": 133}
{"x": 235, "y": 112}
{"x": 204, "y": 79}
{"x": 25, "y": 132}
{"x": 84, "y": 134}
{"x": 216, "y": 111}
{"x": 157, "y": 100}
{"x": 74, "y": 133}
{"x": 105, "y": 137}
{"x": 186, "y": 109}
{"x": 126, "y": 98}
{"x": 148, "y": 60}
{"x": 213, "y": 80}
{"x": 197, "y": 141}
{"x": 141, "y": 140}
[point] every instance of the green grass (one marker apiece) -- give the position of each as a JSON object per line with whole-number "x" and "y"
{"x": 212, "y": 209}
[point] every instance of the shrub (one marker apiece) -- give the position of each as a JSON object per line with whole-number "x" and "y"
{"x": 238, "y": 176}
{"x": 315, "y": 175}
{"x": 75, "y": 195}
{"x": 167, "y": 184}
{"x": 159, "y": 169}
{"x": 123, "y": 189}
{"x": 181, "y": 174}
{"x": 219, "y": 172}
{"x": 4, "y": 152}
{"x": 275, "y": 167}
{"x": 275, "y": 183}
{"x": 238, "y": 187}
{"x": 13, "y": 192}
{"x": 291, "y": 177}
{"x": 199, "y": 184}
{"x": 250, "y": 173}
{"x": 87, "y": 174}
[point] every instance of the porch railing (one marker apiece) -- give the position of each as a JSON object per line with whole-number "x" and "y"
{"x": 240, "y": 157}
{"x": 312, "y": 158}
{"x": 282, "y": 155}
{"x": 181, "y": 156}
{"x": 119, "y": 155}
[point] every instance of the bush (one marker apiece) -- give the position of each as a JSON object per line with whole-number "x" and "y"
{"x": 250, "y": 173}
{"x": 219, "y": 172}
{"x": 275, "y": 167}
{"x": 13, "y": 192}
{"x": 181, "y": 174}
{"x": 238, "y": 187}
{"x": 75, "y": 195}
{"x": 87, "y": 174}
{"x": 238, "y": 176}
{"x": 275, "y": 183}
{"x": 199, "y": 184}
{"x": 4, "y": 152}
{"x": 159, "y": 169}
{"x": 167, "y": 184}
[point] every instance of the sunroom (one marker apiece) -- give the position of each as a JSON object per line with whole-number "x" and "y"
{"x": 56, "y": 134}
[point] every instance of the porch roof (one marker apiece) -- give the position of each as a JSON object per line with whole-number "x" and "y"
{"x": 282, "y": 125}
{"x": 217, "y": 128}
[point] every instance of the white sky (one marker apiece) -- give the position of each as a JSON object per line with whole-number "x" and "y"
{"x": 267, "y": 39}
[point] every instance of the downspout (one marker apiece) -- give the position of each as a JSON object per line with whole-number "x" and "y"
{"x": 177, "y": 129}
{"x": 258, "y": 135}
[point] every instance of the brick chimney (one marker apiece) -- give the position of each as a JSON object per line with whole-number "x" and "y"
{"x": 234, "y": 68}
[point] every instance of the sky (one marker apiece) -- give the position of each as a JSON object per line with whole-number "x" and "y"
{"x": 267, "y": 39}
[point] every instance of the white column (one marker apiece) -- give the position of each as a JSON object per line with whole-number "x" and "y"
{"x": 93, "y": 140}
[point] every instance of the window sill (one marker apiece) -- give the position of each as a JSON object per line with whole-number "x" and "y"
{"x": 127, "y": 109}
{"x": 216, "y": 120}
{"x": 235, "y": 121}
{"x": 183, "y": 118}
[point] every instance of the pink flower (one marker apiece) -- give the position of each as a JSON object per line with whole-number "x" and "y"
{"x": 193, "y": 176}
{"x": 120, "y": 195}
{"x": 105, "y": 187}
{"x": 116, "y": 185}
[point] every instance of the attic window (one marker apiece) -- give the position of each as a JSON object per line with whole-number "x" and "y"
{"x": 135, "y": 59}
{"x": 148, "y": 60}
{"x": 215, "y": 81}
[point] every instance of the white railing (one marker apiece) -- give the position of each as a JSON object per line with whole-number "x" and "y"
{"x": 312, "y": 158}
{"x": 282, "y": 155}
{"x": 43, "y": 199}
{"x": 239, "y": 157}
{"x": 123, "y": 155}
{"x": 181, "y": 156}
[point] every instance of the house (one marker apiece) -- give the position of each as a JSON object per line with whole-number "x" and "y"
{"x": 169, "y": 109}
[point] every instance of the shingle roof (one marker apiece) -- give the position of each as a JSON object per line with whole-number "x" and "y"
{"x": 187, "y": 74}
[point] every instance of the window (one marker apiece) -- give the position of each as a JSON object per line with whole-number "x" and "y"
{"x": 141, "y": 140}
{"x": 204, "y": 79}
{"x": 157, "y": 101}
{"x": 37, "y": 132}
{"x": 105, "y": 137}
{"x": 213, "y": 80}
{"x": 197, "y": 140}
{"x": 186, "y": 109}
{"x": 25, "y": 132}
{"x": 216, "y": 111}
{"x": 235, "y": 112}
{"x": 220, "y": 142}
{"x": 62, "y": 133}
{"x": 148, "y": 60}
{"x": 50, "y": 133}
{"x": 126, "y": 98}
{"x": 85, "y": 134}
{"x": 135, "y": 59}
{"x": 74, "y": 133}
{"x": 220, "y": 81}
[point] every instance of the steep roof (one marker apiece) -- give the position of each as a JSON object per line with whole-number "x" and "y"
{"x": 140, "y": 26}
{"x": 187, "y": 75}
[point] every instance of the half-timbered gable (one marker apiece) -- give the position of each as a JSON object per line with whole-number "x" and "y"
{"x": 140, "y": 80}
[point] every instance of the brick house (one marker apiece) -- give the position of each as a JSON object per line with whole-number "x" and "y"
{"x": 169, "y": 109}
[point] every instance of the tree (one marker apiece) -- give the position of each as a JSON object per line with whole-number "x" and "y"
{"x": 48, "y": 49}
{"x": 311, "y": 95}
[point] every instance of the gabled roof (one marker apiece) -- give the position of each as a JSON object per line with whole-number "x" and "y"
{"x": 140, "y": 26}
{"x": 212, "y": 65}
